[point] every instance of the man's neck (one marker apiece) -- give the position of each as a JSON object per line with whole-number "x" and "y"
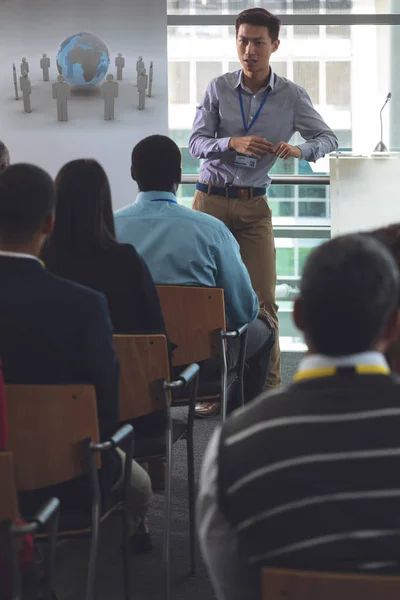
{"x": 256, "y": 81}
{"x": 32, "y": 249}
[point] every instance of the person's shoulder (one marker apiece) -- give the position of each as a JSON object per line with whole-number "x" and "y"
{"x": 75, "y": 294}
{"x": 207, "y": 221}
{"x": 282, "y": 84}
{"x": 125, "y": 211}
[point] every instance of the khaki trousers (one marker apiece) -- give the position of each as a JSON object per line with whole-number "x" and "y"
{"x": 250, "y": 221}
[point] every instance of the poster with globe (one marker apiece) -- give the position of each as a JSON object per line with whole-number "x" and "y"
{"x": 76, "y": 45}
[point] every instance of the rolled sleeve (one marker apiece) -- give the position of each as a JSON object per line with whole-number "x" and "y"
{"x": 320, "y": 139}
{"x": 203, "y": 142}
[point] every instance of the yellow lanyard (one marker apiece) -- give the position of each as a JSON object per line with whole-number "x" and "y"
{"x": 331, "y": 371}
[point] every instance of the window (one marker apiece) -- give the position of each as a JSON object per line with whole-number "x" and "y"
{"x": 204, "y": 73}
{"x": 305, "y": 30}
{"x": 306, "y": 74}
{"x": 338, "y": 83}
{"x": 179, "y": 82}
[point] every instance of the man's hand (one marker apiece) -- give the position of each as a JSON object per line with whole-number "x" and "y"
{"x": 284, "y": 150}
{"x": 253, "y": 145}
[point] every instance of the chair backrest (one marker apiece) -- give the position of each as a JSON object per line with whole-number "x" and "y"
{"x": 143, "y": 362}
{"x": 309, "y": 585}
{"x": 47, "y": 427}
{"x": 192, "y": 315}
{"x": 8, "y": 495}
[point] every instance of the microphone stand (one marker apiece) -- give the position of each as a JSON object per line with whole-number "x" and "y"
{"x": 380, "y": 147}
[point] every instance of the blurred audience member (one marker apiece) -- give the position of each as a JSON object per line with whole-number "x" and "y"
{"x": 53, "y": 331}
{"x": 186, "y": 247}
{"x": 390, "y": 237}
{"x": 4, "y": 156}
{"x": 83, "y": 248}
{"x": 307, "y": 477}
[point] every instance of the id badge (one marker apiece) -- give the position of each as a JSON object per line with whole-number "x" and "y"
{"x": 244, "y": 160}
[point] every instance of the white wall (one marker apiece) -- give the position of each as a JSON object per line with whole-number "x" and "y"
{"x": 133, "y": 27}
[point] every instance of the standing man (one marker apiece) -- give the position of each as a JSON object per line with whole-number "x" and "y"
{"x": 242, "y": 126}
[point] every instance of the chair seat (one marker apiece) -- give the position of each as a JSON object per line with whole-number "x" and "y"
{"x": 155, "y": 446}
{"x": 206, "y": 388}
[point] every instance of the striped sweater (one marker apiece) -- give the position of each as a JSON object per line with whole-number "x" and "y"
{"x": 309, "y": 476}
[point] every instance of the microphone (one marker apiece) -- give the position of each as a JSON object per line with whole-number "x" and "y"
{"x": 380, "y": 147}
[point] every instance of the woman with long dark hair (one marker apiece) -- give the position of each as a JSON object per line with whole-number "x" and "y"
{"x": 83, "y": 248}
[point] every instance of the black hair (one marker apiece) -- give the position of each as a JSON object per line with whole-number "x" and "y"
{"x": 260, "y": 17}
{"x": 27, "y": 197}
{"x": 84, "y": 217}
{"x": 349, "y": 289}
{"x": 156, "y": 164}
{"x": 4, "y": 156}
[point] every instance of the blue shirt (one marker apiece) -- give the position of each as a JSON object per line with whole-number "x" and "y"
{"x": 218, "y": 118}
{"x": 186, "y": 247}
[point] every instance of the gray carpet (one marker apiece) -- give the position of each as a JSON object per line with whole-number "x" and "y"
{"x": 147, "y": 569}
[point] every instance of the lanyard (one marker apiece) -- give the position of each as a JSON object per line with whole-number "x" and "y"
{"x": 165, "y": 200}
{"x": 332, "y": 371}
{"x": 247, "y": 128}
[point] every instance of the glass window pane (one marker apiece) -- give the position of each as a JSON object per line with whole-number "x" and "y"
{"x": 306, "y": 74}
{"x": 179, "y": 82}
{"x": 280, "y": 68}
{"x": 204, "y": 73}
{"x": 338, "y": 83}
{"x": 285, "y": 261}
{"x": 282, "y": 6}
{"x": 281, "y": 208}
{"x": 312, "y": 209}
{"x": 341, "y": 31}
{"x": 312, "y": 191}
{"x": 305, "y": 30}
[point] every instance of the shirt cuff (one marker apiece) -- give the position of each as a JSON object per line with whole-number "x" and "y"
{"x": 306, "y": 151}
{"x": 223, "y": 144}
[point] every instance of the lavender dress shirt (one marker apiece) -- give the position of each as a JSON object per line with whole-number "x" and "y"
{"x": 288, "y": 109}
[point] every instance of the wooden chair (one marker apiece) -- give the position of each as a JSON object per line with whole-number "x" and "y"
{"x": 195, "y": 321}
{"x": 309, "y": 585}
{"x": 145, "y": 388}
{"x": 53, "y": 434}
{"x": 47, "y": 517}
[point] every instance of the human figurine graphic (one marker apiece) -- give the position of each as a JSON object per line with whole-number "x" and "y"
{"x": 142, "y": 87}
{"x": 150, "y": 80}
{"x": 26, "y": 89}
{"x": 15, "y": 80}
{"x": 139, "y": 68}
{"x": 109, "y": 91}
{"x": 24, "y": 66}
{"x": 61, "y": 93}
{"x": 45, "y": 66}
{"x": 120, "y": 64}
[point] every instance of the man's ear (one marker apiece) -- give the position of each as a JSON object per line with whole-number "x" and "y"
{"x": 276, "y": 45}
{"x": 48, "y": 224}
{"x": 298, "y": 317}
{"x": 392, "y": 333}
{"x": 133, "y": 174}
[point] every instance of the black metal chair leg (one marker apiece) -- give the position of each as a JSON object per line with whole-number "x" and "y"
{"x": 191, "y": 492}
{"x": 167, "y": 510}
{"x": 125, "y": 554}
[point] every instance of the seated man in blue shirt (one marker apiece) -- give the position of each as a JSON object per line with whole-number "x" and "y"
{"x": 186, "y": 247}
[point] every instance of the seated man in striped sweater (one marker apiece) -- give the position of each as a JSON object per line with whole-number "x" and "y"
{"x": 308, "y": 477}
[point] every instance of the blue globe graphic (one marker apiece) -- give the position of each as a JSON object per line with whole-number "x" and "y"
{"x": 83, "y": 59}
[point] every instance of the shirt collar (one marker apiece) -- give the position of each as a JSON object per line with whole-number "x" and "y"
{"x": 319, "y": 361}
{"x": 144, "y": 197}
{"x": 20, "y": 255}
{"x": 271, "y": 82}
